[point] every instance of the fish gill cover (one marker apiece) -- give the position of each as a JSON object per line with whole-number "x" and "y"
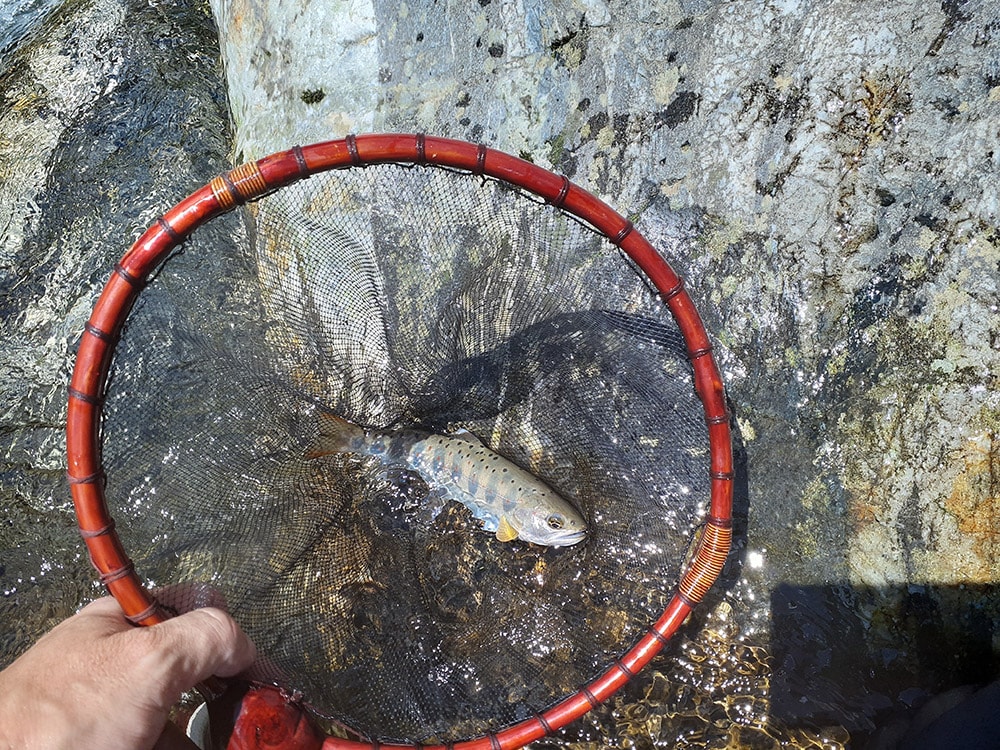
{"x": 397, "y": 298}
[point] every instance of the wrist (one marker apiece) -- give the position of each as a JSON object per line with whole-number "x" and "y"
{"x": 11, "y": 717}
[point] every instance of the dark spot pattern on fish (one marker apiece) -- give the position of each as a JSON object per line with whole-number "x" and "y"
{"x": 512, "y": 501}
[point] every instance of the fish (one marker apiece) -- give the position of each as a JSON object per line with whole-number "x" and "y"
{"x": 506, "y": 499}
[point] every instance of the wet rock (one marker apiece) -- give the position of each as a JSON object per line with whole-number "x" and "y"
{"x": 825, "y": 176}
{"x": 838, "y": 165}
{"x": 97, "y": 120}
{"x": 847, "y": 259}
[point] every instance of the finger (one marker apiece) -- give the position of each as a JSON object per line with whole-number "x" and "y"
{"x": 103, "y": 606}
{"x": 191, "y": 647}
{"x": 99, "y": 619}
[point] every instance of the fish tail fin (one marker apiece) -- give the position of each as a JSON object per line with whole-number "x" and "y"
{"x": 335, "y": 435}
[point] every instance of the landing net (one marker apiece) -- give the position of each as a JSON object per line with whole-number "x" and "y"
{"x": 421, "y": 284}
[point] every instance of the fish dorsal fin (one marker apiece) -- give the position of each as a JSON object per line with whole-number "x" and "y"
{"x": 463, "y": 434}
{"x": 506, "y": 532}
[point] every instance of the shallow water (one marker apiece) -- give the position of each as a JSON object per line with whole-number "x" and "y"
{"x": 18, "y": 18}
{"x": 102, "y": 129}
{"x": 99, "y": 128}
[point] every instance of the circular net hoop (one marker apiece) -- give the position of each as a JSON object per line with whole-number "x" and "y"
{"x": 412, "y": 282}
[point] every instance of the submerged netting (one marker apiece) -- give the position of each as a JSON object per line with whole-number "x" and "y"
{"x": 398, "y": 297}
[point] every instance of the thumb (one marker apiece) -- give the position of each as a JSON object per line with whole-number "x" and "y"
{"x": 194, "y": 646}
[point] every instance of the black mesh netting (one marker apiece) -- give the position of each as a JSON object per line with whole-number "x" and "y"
{"x": 401, "y": 297}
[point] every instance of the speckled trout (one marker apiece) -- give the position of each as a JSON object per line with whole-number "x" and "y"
{"x": 508, "y": 500}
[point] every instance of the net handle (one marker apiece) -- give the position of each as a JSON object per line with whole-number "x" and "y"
{"x": 255, "y": 179}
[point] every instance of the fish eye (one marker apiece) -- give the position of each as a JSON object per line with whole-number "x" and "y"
{"x": 555, "y": 521}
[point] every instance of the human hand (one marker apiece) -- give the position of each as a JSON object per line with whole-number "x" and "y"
{"x": 95, "y": 681}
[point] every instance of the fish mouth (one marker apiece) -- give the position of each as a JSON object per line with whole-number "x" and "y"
{"x": 567, "y": 538}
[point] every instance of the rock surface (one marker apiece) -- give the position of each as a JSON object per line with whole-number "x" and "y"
{"x": 101, "y": 129}
{"x": 824, "y": 174}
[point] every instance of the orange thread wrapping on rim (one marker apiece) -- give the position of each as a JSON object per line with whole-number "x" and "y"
{"x": 713, "y": 549}
{"x": 240, "y": 185}
{"x": 252, "y": 180}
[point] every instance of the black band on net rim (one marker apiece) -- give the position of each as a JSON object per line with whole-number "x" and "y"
{"x": 91, "y": 534}
{"x": 300, "y": 160}
{"x": 135, "y": 282}
{"x": 171, "y": 232}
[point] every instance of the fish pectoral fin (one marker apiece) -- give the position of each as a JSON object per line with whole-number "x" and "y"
{"x": 506, "y": 532}
{"x": 437, "y": 498}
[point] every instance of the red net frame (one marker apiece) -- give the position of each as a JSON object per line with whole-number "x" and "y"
{"x": 255, "y": 179}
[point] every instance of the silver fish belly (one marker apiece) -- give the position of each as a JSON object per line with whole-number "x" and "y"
{"x": 506, "y": 499}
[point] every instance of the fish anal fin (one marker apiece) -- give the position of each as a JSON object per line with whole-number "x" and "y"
{"x": 506, "y": 532}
